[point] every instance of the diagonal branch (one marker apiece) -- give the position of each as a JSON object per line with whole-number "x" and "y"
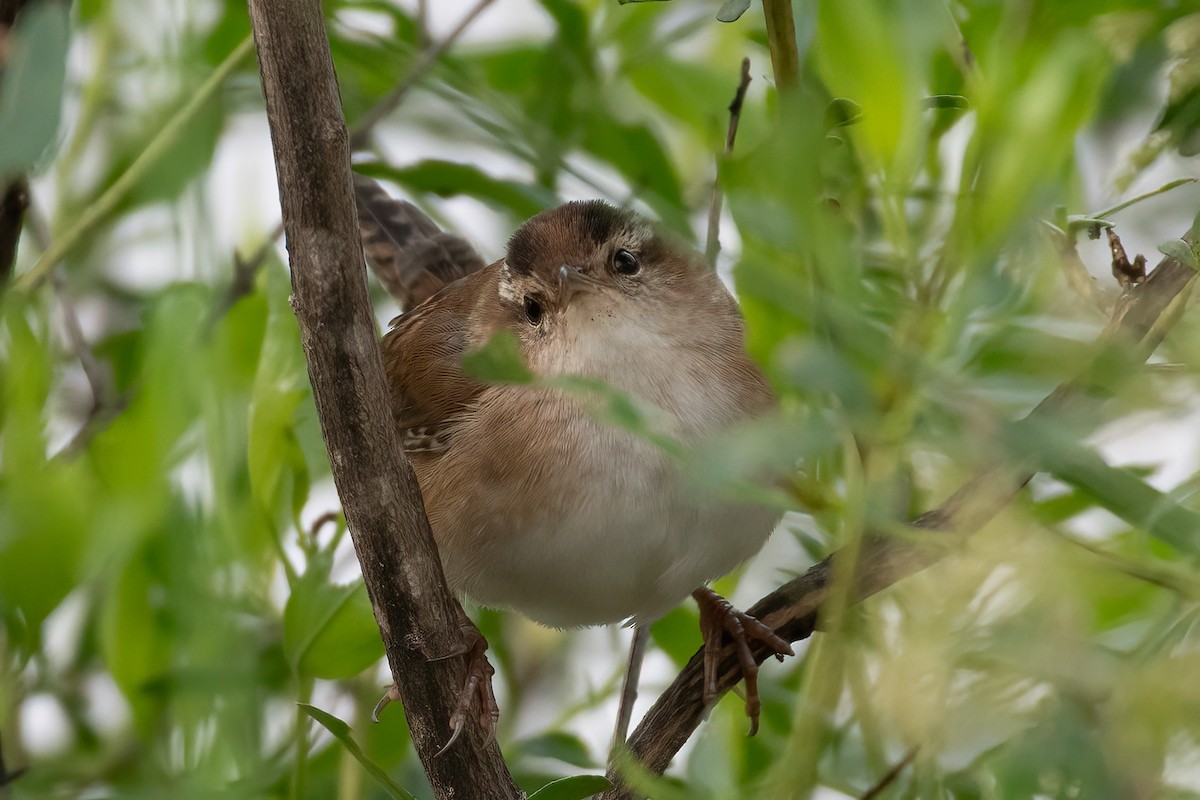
{"x": 417, "y": 616}
{"x": 792, "y": 610}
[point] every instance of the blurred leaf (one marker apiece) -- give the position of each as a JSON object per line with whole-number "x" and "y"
{"x": 947, "y": 101}
{"x": 448, "y": 179}
{"x": 559, "y": 745}
{"x": 31, "y": 89}
{"x": 498, "y": 360}
{"x": 732, "y": 10}
{"x": 137, "y": 634}
{"x": 677, "y": 633}
{"x": 341, "y": 732}
{"x": 329, "y": 630}
{"x": 1117, "y": 490}
{"x": 278, "y": 468}
{"x": 841, "y": 112}
{"x": 575, "y": 787}
{"x": 45, "y": 507}
{"x": 1181, "y": 251}
{"x": 636, "y": 152}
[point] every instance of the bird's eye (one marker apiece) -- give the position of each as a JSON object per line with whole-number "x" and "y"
{"x": 626, "y": 262}
{"x": 533, "y": 310}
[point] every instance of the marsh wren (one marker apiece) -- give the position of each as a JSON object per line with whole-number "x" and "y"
{"x": 536, "y": 504}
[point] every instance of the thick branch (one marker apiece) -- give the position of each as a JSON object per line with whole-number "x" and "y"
{"x": 792, "y": 609}
{"x": 379, "y": 492}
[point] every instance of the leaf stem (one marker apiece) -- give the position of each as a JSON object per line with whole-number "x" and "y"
{"x": 781, "y": 39}
{"x": 158, "y": 146}
{"x": 1166, "y": 187}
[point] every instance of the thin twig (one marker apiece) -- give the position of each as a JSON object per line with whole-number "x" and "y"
{"x": 244, "y": 272}
{"x": 416, "y": 72}
{"x": 97, "y": 376}
{"x": 629, "y": 689}
{"x": 423, "y": 22}
{"x": 246, "y": 269}
{"x": 104, "y": 406}
{"x": 890, "y": 776}
{"x": 712, "y": 246}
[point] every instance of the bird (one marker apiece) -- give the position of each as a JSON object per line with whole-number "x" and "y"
{"x": 536, "y": 503}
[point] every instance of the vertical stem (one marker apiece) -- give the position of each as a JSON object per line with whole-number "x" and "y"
{"x": 300, "y": 770}
{"x": 781, "y": 39}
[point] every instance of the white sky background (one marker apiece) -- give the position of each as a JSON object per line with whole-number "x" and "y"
{"x": 239, "y": 203}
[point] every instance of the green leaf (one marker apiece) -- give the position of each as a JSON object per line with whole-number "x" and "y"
{"x": 45, "y": 507}
{"x": 448, "y": 179}
{"x": 677, "y": 633}
{"x": 278, "y": 468}
{"x": 341, "y": 732}
{"x": 32, "y": 86}
{"x": 1118, "y": 490}
{"x": 499, "y": 361}
{"x": 732, "y": 10}
{"x": 841, "y": 112}
{"x": 136, "y": 634}
{"x": 328, "y": 629}
{"x": 1181, "y": 251}
{"x": 559, "y": 745}
{"x": 947, "y": 101}
{"x": 576, "y": 787}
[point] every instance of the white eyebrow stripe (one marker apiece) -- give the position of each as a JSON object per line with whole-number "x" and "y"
{"x": 505, "y": 288}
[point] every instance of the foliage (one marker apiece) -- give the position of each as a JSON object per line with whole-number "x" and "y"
{"x": 168, "y": 586}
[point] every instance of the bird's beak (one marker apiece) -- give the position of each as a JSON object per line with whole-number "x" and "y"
{"x": 572, "y": 280}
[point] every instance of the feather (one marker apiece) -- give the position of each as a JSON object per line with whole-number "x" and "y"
{"x": 412, "y": 257}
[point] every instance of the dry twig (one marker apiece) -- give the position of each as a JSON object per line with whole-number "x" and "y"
{"x": 890, "y": 776}
{"x": 712, "y": 246}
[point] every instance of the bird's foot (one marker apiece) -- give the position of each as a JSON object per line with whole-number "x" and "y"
{"x": 477, "y": 686}
{"x": 718, "y": 617}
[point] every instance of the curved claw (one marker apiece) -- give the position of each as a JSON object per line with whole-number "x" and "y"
{"x": 718, "y": 617}
{"x": 477, "y": 687}
{"x": 392, "y": 695}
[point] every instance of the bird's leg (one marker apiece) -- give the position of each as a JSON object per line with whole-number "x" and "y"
{"x": 718, "y": 617}
{"x": 629, "y": 689}
{"x": 477, "y": 686}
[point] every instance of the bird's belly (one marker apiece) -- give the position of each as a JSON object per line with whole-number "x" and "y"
{"x": 638, "y": 560}
{"x": 610, "y": 532}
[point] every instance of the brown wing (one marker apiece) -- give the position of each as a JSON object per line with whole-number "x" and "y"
{"x": 412, "y": 257}
{"x": 423, "y": 357}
